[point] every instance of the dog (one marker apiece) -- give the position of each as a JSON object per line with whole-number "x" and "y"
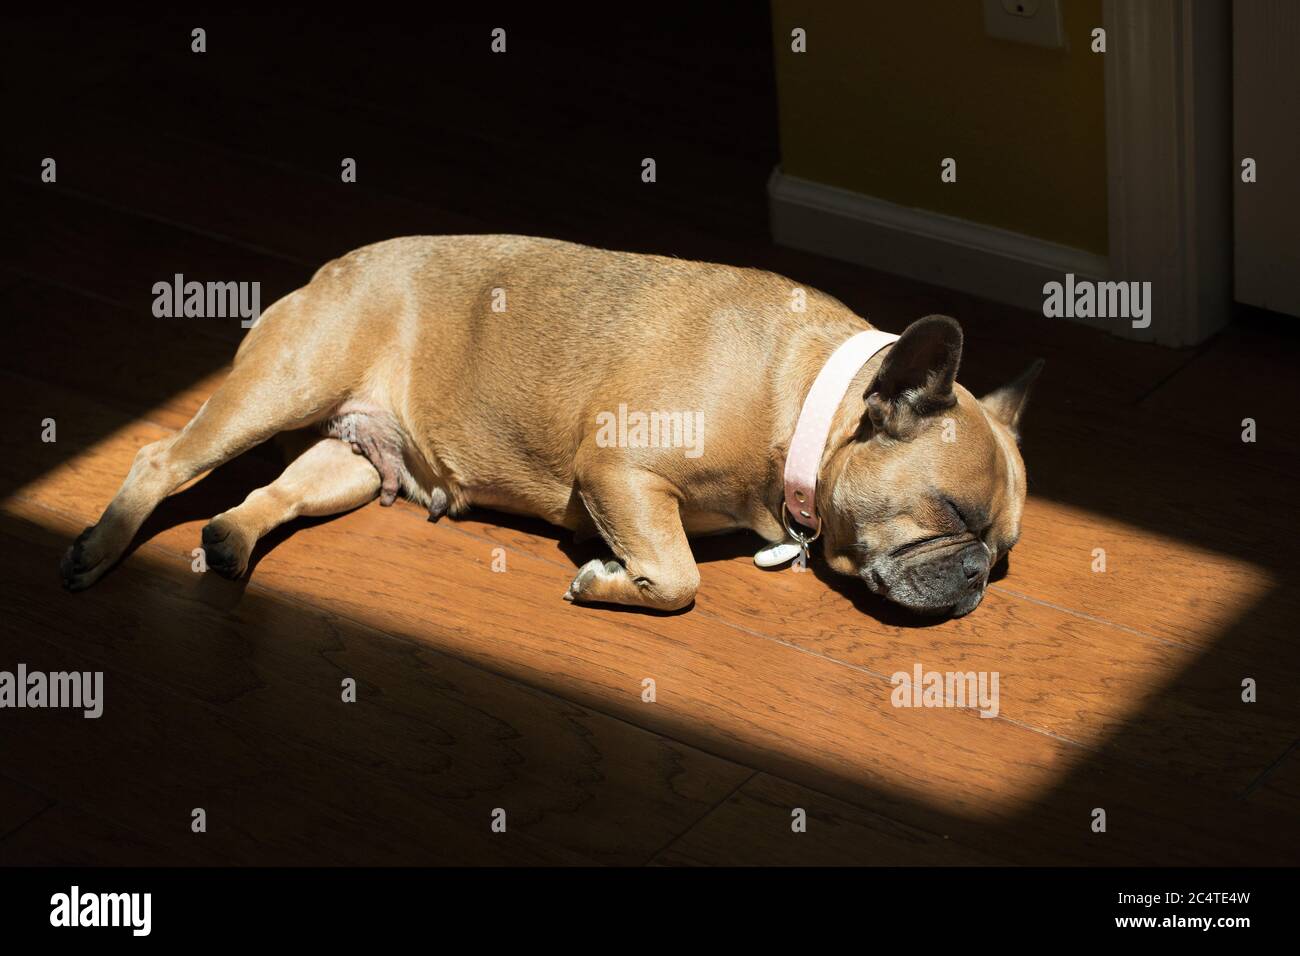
{"x": 490, "y": 370}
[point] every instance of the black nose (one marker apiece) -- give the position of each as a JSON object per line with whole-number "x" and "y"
{"x": 975, "y": 563}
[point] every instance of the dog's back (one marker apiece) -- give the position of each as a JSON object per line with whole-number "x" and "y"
{"x": 498, "y": 355}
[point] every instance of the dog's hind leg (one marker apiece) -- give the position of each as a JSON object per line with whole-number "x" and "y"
{"x": 271, "y": 389}
{"x": 326, "y": 479}
{"x": 373, "y": 433}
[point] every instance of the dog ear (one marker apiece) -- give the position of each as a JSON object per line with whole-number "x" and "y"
{"x": 917, "y": 376}
{"x": 1007, "y": 403}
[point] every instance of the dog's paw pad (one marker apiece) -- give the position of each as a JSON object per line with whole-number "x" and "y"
{"x": 586, "y": 575}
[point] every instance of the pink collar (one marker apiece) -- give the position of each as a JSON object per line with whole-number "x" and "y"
{"x": 809, "y": 441}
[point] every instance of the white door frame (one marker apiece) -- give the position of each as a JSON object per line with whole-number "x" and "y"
{"x": 1169, "y": 161}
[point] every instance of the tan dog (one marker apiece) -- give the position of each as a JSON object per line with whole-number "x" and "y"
{"x": 489, "y": 370}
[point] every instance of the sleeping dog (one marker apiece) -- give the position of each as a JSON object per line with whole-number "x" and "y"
{"x": 504, "y": 371}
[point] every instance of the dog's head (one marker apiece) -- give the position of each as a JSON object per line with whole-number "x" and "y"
{"x": 927, "y": 495}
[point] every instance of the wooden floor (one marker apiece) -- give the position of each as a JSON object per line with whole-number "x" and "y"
{"x": 480, "y": 690}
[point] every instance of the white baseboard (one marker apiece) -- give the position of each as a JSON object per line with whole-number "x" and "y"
{"x": 980, "y": 260}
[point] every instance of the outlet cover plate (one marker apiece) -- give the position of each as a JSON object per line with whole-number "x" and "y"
{"x": 1037, "y": 22}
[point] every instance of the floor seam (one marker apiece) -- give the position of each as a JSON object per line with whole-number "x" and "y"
{"x": 702, "y": 817}
{"x": 1258, "y": 781}
{"x": 1200, "y": 352}
{"x": 50, "y": 804}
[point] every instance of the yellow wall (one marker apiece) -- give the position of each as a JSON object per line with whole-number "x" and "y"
{"x": 887, "y": 90}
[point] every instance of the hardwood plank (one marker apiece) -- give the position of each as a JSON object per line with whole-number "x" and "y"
{"x": 68, "y": 836}
{"x": 1247, "y": 371}
{"x": 1135, "y": 467}
{"x": 18, "y": 805}
{"x": 73, "y": 59}
{"x": 141, "y": 177}
{"x": 112, "y": 255}
{"x": 1279, "y": 788}
{"x": 116, "y": 356}
{"x": 754, "y": 827}
{"x": 1197, "y": 595}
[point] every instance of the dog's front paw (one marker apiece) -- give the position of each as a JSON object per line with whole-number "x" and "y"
{"x": 589, "y": 576}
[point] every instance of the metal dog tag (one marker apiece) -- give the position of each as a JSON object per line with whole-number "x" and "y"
{"x": 779, "y": 553}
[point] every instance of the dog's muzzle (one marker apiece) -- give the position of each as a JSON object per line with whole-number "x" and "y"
{"x": 950, "y": 583}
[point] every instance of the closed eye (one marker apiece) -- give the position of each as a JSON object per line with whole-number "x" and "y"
{"x": 977, "y": 523}
{"x": 913, "y": 545}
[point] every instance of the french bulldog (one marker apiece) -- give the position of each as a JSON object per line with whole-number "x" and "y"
{"x": 641, "y": 398}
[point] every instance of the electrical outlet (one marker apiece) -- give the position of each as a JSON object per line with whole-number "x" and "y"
{"x": 1020, "y": 8}
{"x": 1037, "y": 22}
